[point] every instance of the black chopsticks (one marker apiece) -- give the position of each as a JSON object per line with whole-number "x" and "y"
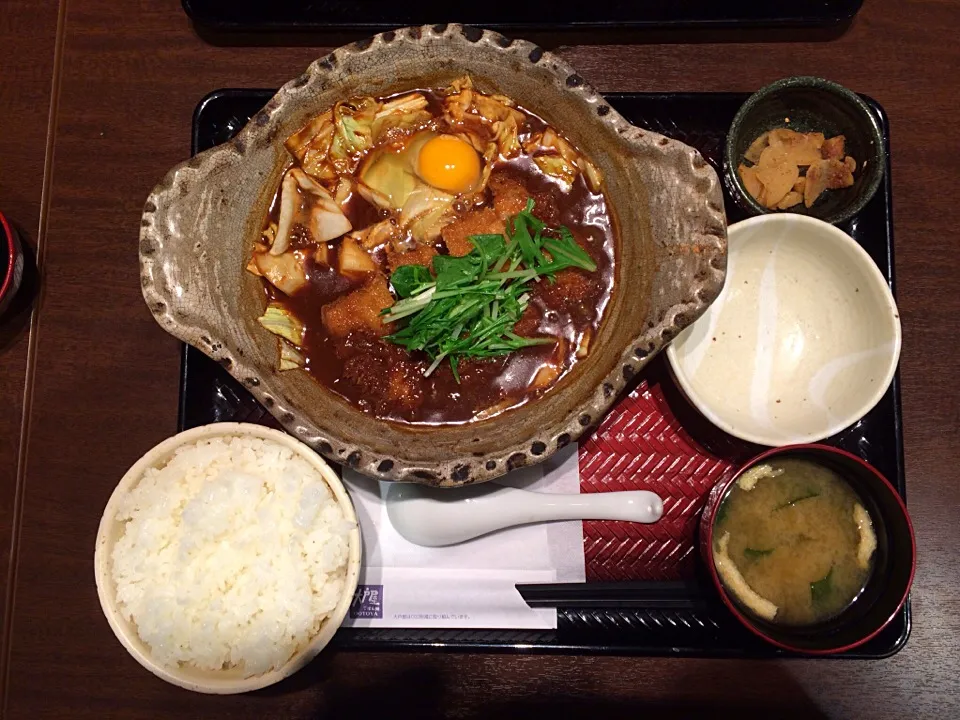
{"x": 651, "y": 595}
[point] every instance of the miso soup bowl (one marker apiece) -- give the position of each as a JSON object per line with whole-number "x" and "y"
{"x": 894, "y": 559}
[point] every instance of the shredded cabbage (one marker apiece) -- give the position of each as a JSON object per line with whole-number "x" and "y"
{"x": 285, "y": 272}
{"x": 389, "y": 175}
{"x": 426, "y": 212}
{"x": 313, "y": 132}
{"x": 506, "y": 137}
{"x": 278, "y": 320}
{"x": 557, "y": 167}
{"x": 591, "y": 173}
{"x": 354, "y": 134}
{"x": 290, "y": 357}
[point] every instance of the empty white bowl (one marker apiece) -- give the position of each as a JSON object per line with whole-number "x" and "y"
{"x": 803, "y": 340}
{"x": 226, "y": 681}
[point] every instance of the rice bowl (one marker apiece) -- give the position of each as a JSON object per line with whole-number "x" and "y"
{"x": 227, "y": 557}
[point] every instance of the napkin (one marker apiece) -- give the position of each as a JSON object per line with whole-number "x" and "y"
{"x": 470, "y": 585}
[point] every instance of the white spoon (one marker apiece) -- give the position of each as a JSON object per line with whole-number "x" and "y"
{"x": 434, "y": 517}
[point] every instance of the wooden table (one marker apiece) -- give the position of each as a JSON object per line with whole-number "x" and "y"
{"x": 96, "y": 99}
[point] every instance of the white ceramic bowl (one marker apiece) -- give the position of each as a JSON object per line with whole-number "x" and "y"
{"x": 224, "y": 681}
{"x": 803, "y": 340}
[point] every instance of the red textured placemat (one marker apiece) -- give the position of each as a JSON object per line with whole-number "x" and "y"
{"x": 642, "y": 445}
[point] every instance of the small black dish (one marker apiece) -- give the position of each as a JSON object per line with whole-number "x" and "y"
{"x": 810, "y": 104}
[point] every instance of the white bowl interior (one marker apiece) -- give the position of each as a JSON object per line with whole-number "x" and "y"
{"x": 233, "y": 680}
{"x": 803, "y": 340}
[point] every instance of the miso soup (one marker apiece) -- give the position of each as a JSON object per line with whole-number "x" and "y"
{"x": 793, "y": 542}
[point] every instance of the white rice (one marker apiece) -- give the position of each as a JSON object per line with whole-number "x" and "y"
{"x": 233, "y": 554}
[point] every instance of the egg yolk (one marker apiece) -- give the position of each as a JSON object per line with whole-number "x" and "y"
{"x": 449, "y": 163}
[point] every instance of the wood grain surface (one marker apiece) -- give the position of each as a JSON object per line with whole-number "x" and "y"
{"x": 28, "y": 33}
{"x": 104, "y": 375}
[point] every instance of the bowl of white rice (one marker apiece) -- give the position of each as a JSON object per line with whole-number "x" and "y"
{"x": 227, "y": 557}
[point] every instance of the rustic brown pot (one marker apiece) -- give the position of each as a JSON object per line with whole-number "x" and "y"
{"x": 199, "y": 224}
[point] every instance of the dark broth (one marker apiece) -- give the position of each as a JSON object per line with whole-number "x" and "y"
{"x": 357, "y": 366}
{"x": 794, "y": 539}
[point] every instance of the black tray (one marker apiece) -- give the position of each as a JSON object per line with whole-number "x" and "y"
{"x": 209, "y": 394}
{"x": 376, "y": 15}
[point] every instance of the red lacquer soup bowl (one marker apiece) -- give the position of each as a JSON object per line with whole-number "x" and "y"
{"x": 11, "y": 263}
{"x": 894, "y": 558}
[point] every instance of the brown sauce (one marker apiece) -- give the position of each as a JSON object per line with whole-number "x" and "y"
{"x": 385, "y": 380}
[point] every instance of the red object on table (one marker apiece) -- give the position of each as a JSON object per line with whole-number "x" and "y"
{"x": 11, "y": 269}
{"x": 641, "y": 445}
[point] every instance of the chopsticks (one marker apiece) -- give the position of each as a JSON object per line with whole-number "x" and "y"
{"x": 651, "y": 595}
